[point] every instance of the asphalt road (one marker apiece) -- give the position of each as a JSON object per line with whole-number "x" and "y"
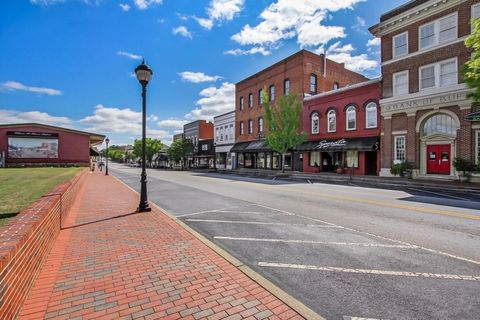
{"x": 345, "y": 251}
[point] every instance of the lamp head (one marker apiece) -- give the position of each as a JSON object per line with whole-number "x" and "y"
{"x": 143, "y": 73}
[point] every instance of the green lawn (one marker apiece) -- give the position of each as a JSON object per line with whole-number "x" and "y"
{"x": 19, "y": 187}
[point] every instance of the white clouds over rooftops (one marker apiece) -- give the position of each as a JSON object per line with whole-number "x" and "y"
{"x": 286, "y": 19}
{"x": 343, "y": 54}
{"x": 17, "y": 86}
{"x": 129, "y": 55}
{"x": 254, "y": 50}
{"x": 197, "y": 77}
{"x": 175, "y": 124}
{"x": 214, "y": 101}
{"x": 14, "y": 116}
{"x": 183, "y": 31}
{"x": 373, "y": 42}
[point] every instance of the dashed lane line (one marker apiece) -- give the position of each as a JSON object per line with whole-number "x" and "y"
{"x": 372, "y": 271}
{"x": 358, "y": 244}
{"x": 261, "y": 223}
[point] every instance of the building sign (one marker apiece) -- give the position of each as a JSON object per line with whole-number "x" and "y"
{"x": 324, "y": 144}
{"x": 473, "y": 116}
{"x": 32, "y": 148}
{"x": 426, "y": 102}
{"x": 25, "y": 134}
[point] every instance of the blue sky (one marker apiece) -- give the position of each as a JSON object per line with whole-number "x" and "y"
{"x": 70, "y": 62}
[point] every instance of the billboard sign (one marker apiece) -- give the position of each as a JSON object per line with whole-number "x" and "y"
{"x": 32, "y": 148}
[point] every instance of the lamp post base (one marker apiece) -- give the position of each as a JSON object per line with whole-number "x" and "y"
{"x": 144, "y": 207}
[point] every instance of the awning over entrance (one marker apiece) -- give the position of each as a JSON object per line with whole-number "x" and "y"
{"x": 94, "y": 153}
{"x": 252, "y": 146}
{"x": 358, "y": 144}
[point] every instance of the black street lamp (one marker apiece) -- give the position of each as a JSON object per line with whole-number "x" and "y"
{"x": 107, "y": 141}
{"x": 144, "y": 74}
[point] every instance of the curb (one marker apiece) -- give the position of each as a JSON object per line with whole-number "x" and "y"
{"x": 289, "y": 300}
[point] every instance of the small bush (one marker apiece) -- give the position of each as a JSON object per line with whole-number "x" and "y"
{"x": 399, "y": 169}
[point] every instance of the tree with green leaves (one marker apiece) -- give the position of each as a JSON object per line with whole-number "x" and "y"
{"x": 471, "y": 72}
{"x": 283, "y": 123}
{"x": 152, "y": 147}
{"x": 179, "y": 150}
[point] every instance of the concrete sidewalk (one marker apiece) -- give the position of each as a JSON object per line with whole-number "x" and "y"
{"x": 112, "y": 263}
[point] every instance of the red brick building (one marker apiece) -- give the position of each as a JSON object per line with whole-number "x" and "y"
{"x": 424, "y": 100}
{"x": 304, "y": 73}
{"x": 343, "y": 130}
{"x": 40, "y": 144}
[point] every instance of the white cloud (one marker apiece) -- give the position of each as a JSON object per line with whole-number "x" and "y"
{"x": 14, "y": 116}
{"x": 373, "y": 42}
{"x": 14, "y": 85}
{"x": 214, "y": 101}
{"x": 343, "y": 54}
{"x": 360, "y": 25}
{"x": 205, "y": 23}
{"x": 145, "y": 4}
{"x": 286, "y": 19}
{"x": 254, "y": 50}
{"x": 175, "y": 124}
{"x": 183, "y": 31}
{"x": 45, "y": 2}
{"x": 124, "y": 6}
{"x": 219, "y": 11}
{"x": 197, "y": 77}
{"x": 129, "y": 55}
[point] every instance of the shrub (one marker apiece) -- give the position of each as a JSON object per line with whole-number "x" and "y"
{"x": 399, "y": 169}
{"x": 464, "y": 165}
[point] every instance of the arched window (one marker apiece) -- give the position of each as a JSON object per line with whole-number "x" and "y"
{"x": 260, "y": 124}
{"x": 351, "y": 118}
{"x": 272, "y": 93}
{"x": 332, "y": 121}
{"x": 440, "y": 123}
{"x": 260, "y": 97}
{"x": 250, "y": 100}
{"x": 336, "y": 85}
{"x": 315, "y": 123}
{"x": 286, "y": 87}
{"x": 371, "y": 114}
{"x": 313, "y": 83}
{"x": 242, "y": 103}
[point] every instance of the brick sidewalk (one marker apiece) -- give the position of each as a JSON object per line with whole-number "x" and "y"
{"x": 112, "y": 263}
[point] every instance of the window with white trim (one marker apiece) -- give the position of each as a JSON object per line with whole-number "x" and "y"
{"x": 217, "y": 133}
{"x": 400, "y": 83}
{"x": 352, "y": 158}
{"x": 438, "y": 31}
{"x": 441, "y": 74}
{"x": 260, "y": 97}
{"x": 242, "y": 103}
{"x": 314, "y": 158}
{"x": 332, "y": 121}
{"x": 250, "y": 100}
{"x": 286, "y": 87}
{"x": 315, "y": 120}
{"x": 399, "y": 151}
{"x": 371, "y": 114}
{"x": 476, "y": 11}
{"x": 351, "y": 118}
{"x": 400, "y": 45}
{"x": 241, "y": 128}
{"x": 260, "y": 124}
{"x": 272, "y": 93}
{"x": 313, "y": 83}
{"x": 250, "y": 126}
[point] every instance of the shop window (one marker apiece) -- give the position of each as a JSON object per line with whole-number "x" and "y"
{"x": 288, "y": 161}
{"x": 286, "y": 87}
{"x": 241, "y": 128}
{"x": 276, "y": 161}
{"x": 352, "y": 159}
{"x": 351, "y": 118}
{"x": 250, "y": 100}
{"x": 399, "y": 152}
{"x": 400, "y": 45}
{"x": 250, "y": 126}
{"x": 400, "y": 83}
{"x": 371, "y": 114}
{"x": 261, "y": 160}
{"x": 332, "y": 121}
{"x": 242, "y": 104}
{"x": 269, "y": 160}
{"x": 315, "y": 119}
{"x": 241, "y": 160}
{"x": 313, "y": 84}
{"x": 314, "y": 159}
{"x": 440, "y": 124}
{"x": 272, "y": 93}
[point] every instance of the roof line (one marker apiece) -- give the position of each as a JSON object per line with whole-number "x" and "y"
{"x": 6, "y": 125}
{"x": 344, "y": 89}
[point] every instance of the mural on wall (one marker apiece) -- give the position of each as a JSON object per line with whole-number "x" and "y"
{"x": 32, "y": 148}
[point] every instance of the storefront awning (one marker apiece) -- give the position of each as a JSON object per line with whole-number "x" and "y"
{"x": 240, "y": 146}
{"x": 257, "y": 146}
{"x": 94, "y": 153}
{"x": 358, "y": 144}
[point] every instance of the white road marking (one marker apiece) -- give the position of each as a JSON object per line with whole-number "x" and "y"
{"x": 358, "y": 244}
{"x": 360, "y": 318}
{"x": 213, "y": 210}
{"x": 372, "y": 271}
{"x": 278, "y": 210}
{"x": 261, "y": 223}
{"x": 390, "y": 239}
{"x": 440, "y": 194}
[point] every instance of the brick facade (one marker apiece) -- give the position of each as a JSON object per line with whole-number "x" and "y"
{"x": 406, "y": 115}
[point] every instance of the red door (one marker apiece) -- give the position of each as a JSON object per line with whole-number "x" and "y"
{"x": 438, "y": 159}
